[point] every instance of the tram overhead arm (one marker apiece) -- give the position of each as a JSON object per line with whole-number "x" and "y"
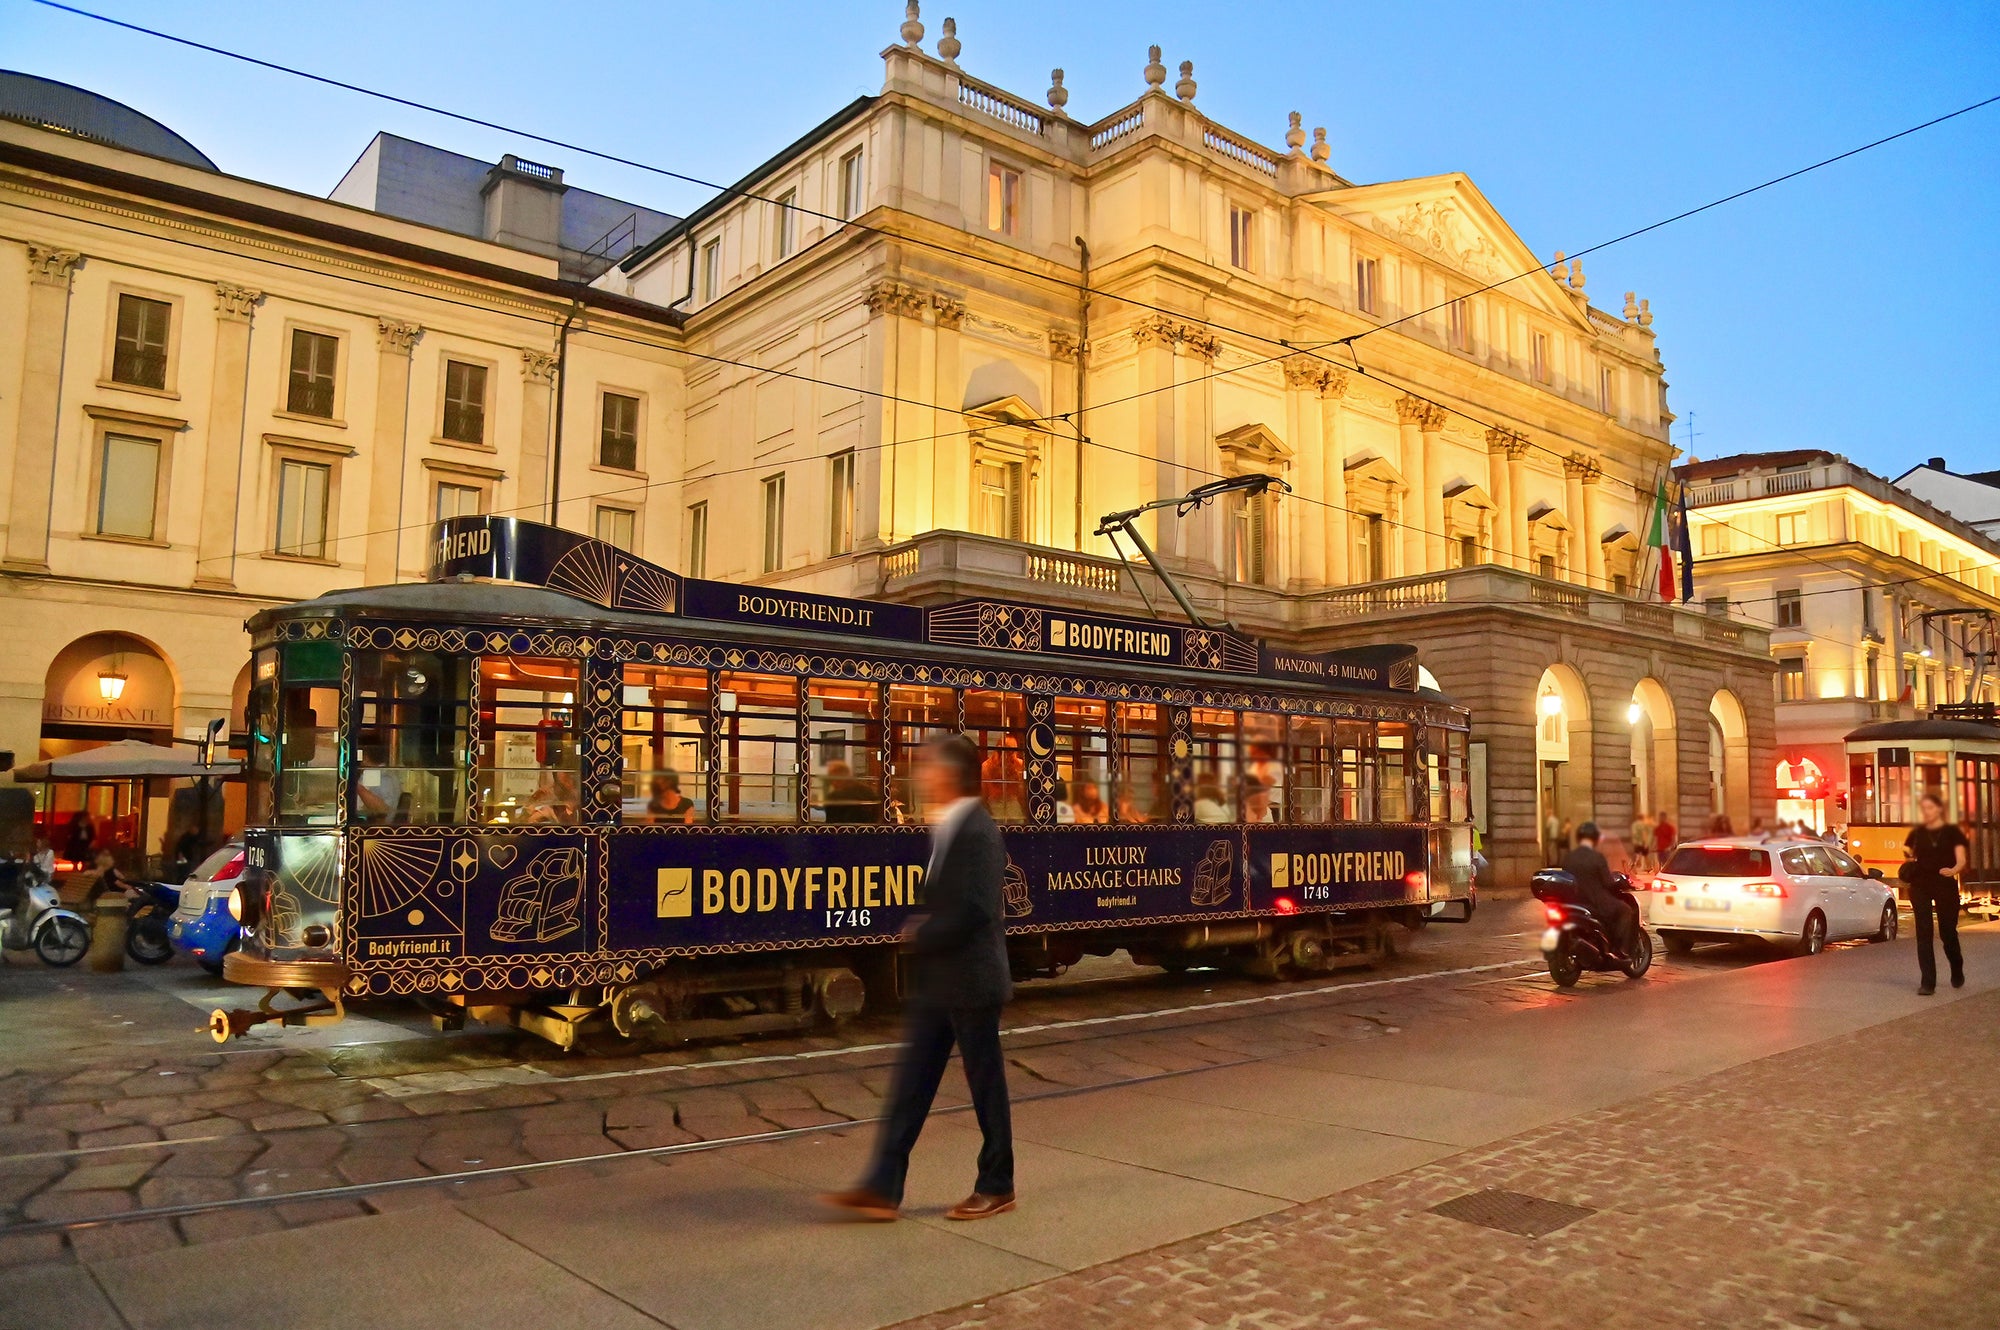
{"x": 1112, "y": 524}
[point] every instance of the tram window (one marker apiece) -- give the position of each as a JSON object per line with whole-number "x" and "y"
{"x": 409, "y": 738}
{"x": 1395, "y": 766}
{"x": 916, "y": 715}
{"x": 1930, "y": 779}
{"x": 1892, "y": 790}
{"x": 1355, "y": 791}
{"x": 998, "y": 723}
{"x": 1083, "y": 760}
{"x": 1313, "y": 761}
{"x": 1457, "y": 777}
{"x": 1145, "y": 772}
{"x": 845, "y": 722}
{"x": 261, "y": 719}
{"x": 309, "y": 755}
{"x": 1263, "y": 793}
{"x": 1861, "y": 789}
{"x": 1214, "y": 764}
{"x": 665, "y": 746}
{"x": 528, "y": 759}
{"x": 757, "y": 747}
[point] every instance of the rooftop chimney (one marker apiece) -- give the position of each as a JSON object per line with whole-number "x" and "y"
{"x": 1935, "y": 464}
{"x": 524, "y": 205}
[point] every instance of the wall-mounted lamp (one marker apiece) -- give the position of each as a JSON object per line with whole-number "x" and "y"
{"x": 1634, "y": 714}
{"x": 1552, "y": 704}
{"x": 111, "y": 685}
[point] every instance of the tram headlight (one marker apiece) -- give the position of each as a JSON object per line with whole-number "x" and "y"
{"x": 236, "y": 904}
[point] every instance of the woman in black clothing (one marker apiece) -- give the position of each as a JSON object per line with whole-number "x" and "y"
{"x": 1938, "y": 854}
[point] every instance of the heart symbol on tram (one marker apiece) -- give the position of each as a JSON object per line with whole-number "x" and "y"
{"x": 501, "y": 853}
{"x": 604, "y": 694}
{"x": 603, "y": 744}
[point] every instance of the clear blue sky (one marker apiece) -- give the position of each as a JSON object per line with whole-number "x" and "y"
{"x": 1851, "y": 310}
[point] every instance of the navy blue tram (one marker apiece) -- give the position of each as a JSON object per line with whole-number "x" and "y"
{"x": 559, "y": 784}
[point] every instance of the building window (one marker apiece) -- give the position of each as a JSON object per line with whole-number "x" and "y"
{"x": 1462, "y": 552}
{"x": 309, "y": 391}
{"x": 459, "y": 500}
{"x": 1364, "y": 285}
{"x": 618, "y": 527}
{"x": 1792, "y": 679}
{"x": 1249, "y": 531}
{"x": 1371, "y": 546}
{"x": 1792, "y": 528}
{"x": 840, "y": 503}
{"x": 1872, "y": 680}
{"x": 696, "y": 564}
{"x": 302, "y": 493}
{"x": 618, "y": 433}
{"x": 774, "y": 522}
{"x": 1791, "y": 610}
{"x": 1714, "y": 538}
{"x": 128, "y": 487}
{"x": 1868, "y": 610}
{"x": 1546, "y": 565}
{"x": 464, "y": 402}
{"x": 1458, "y": 325}
{"x": 996, "y": 497}
{"x": 1716, "y": 607}
{"x": 139, "y": 353}
{"x": 788, "y": 223}
{"x": 1607, "y": 400}
{"x": 1540, "y": 361}
{"x": 850, "y": 185}
{"x": 1620, "y": 584}
{"x": 1003, "y": 199}
{"x": 1239, "y": 238}
{"x": 711, "y": 270}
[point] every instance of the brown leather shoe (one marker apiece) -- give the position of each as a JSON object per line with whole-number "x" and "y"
{"x": 979, "y": 1205}
{"x": 860, "y": 1203}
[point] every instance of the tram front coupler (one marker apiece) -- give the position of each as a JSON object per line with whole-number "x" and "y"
{"x": 225, "y": 1024}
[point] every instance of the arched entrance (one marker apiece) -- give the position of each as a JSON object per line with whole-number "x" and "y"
{"x": 1655, "y": 753}
{"x": 99, "y": 689}
{"x": 1728, "y": 762}
{"x": 1563, "y": 794}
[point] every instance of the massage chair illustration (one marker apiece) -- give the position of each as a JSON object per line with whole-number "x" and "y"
{"x": 1214, "y": 876}
{"x": 544, "y": 901}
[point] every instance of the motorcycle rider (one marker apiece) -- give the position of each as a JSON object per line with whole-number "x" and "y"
{"x": 1595, "y": 892}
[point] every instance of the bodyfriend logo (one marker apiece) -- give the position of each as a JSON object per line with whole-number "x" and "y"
{"x": 1111, "y": 639}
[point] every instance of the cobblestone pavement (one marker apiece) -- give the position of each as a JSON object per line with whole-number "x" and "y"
{"x": 1847, "y": 1183}
{"x": 111, "y": 1101}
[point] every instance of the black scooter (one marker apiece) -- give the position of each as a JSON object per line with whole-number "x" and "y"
{"x": 148, "y": 939}
{"x": 1576, "y": 940}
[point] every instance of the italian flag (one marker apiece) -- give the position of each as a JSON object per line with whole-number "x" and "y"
{"x": 1656, "y": 538}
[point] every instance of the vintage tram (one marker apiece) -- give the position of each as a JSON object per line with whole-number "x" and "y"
{"x": 1953, "y": 753}
{"x": 558, "y": 784}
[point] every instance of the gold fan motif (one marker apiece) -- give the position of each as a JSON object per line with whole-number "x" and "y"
{"x": 394, "y": 873}
{"x": 589, "y": 570}
{"x": 648, "y": 588}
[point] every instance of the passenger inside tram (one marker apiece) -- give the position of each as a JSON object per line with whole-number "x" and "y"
{"x": 668, "y": 805}
{"x": 1257, "y": 801}
{"x": 843, "y": 798}
{"x": 1087, "y": 804}
{"x": 1210, "y": 804}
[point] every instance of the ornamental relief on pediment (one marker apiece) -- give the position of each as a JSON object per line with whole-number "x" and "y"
{"x": 1442, "y": 231}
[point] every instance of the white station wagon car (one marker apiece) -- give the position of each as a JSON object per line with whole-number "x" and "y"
{"x": 1791, "y": 890}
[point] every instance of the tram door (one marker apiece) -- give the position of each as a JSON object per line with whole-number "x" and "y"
{"x": 1979, "y": 810}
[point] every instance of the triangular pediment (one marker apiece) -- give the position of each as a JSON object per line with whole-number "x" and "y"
{"x": 1445, "y": 220}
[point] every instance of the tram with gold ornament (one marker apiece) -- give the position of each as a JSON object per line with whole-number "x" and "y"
{"x": 559, "y": 787}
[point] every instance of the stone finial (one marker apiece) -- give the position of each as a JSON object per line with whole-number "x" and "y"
{"x": 1576, "y": 274}
{"x": 1184, "y": 89}
{"x": 948, "y": 44}
{"x": 1631, "y": 306}
{"x": 1156, "y": 73}
{"x": 1559, "y": 269}
{"x": 1645, "y": 313}
{"x": 1320, "y": 151}
{"x": 1058, "y": 94}
{"x": 913, "y": 27}
{"x": 1295, "y": 137}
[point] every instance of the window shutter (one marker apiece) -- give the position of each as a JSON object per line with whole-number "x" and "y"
{"x": 1016, "y": 482}
{"x": 1257, "y": 504}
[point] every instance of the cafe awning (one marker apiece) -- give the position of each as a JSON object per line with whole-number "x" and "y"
{"x": 128, "y": 759}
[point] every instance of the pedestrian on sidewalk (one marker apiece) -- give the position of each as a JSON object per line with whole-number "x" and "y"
{"x": 961, "y": 981}
{"x": 1938, "y": 852}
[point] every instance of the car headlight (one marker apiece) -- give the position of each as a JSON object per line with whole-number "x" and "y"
{"x": 236, "y": 904}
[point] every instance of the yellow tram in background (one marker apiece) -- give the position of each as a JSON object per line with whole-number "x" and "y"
{"x": 1954, "y": 753}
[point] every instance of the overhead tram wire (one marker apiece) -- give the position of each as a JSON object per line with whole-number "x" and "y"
{"x": 841, "y": 223}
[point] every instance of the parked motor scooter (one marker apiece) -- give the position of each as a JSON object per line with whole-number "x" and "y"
{"x": 1576, "y": 939}
{"x": 148, "y": 936}
{"x": 32, "y": 915}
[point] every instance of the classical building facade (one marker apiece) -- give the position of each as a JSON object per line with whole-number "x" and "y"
{"x": 915, "y": 355}
{"x": 1879, "y": 605}
{"x": 216, "y": 395}
{"x": 953, "y": 327}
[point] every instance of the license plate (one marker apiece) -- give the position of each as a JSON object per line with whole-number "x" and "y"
{"x": 1705, "y": 903}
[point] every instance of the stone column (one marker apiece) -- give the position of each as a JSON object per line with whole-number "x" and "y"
{"x": 1411, "y": 415}
{"x": 1063, "y": 460}
{"x": 1575, "y": 468}
{"x": 538, "y": 377}
{"x": 951, "y": 453}
{"x": 1500, "y": 484}
{"x": 1200, "y": 461}
{"x": 1155, "y": 337}
{"x": 222, "y": 457}
{"x": 1593, "y": 532}
{"x": 1303, "y": 407}
{"x": 1433, "y": 489}
{"x": 1517, "y": 516}
{"x": 1333, "y": 436}
{"x": 38, "y": 405}
{"x": 385, "y": 457}
{"x": 875, "y": 478}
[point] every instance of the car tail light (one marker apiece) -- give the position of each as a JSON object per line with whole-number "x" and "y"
{"x": 230, "y": 871}
{"x": 1762, "y": 889}
{"x": 1555, "y": 913}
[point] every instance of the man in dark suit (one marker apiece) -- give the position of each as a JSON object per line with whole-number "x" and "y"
{"x": 961, "y": 979}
